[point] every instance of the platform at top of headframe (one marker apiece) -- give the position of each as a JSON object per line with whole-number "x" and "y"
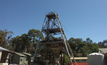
{"x": 51, "y": 15}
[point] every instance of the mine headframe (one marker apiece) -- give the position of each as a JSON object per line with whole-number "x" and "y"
{"x": 53, "y": 48}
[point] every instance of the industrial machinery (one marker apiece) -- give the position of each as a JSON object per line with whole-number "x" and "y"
{"x": 52, "y": 49}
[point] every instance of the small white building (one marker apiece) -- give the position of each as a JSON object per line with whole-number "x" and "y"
{"x": 10, "y": 57}
{"x": 18, "y": 58}
{"x": 4, "y": 56}
{"x": 103, "y": 50}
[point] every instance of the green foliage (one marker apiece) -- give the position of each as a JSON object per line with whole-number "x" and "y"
{"x": 35, "y": 35}
{"x": 66, "y": 59}
{"x": 21, "y": 43}
{"x": 26, "y": 42}
{"x": 4, "y": 37}
{"x": 82, "y": 48}
{"x": 103, "y": 44}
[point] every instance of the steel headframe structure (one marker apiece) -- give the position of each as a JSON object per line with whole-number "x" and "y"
{"x": 54, "y": 47}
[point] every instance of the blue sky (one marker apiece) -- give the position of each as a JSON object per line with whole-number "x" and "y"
{"x": 79, "y": 18}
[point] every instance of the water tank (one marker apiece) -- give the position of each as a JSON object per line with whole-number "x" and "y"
{"x": 96, "y": 59}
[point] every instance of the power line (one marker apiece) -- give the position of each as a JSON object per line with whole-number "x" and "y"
{"x": 69, "y": 33}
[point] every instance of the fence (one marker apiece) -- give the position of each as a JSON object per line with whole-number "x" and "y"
{"x": 79, "y": 63}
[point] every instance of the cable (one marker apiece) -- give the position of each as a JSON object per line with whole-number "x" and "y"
{"x": 69, "y": 33}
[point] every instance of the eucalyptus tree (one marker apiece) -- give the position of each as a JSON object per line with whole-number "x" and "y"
{"x": 21, "y": 43}
{"x": 84, "y": 47}
{"x": 35, "y": 35}
{"x": 5, "y": 37}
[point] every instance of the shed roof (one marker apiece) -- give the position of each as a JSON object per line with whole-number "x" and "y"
{"x": 20, "y": 54}
{"x": 6, "y": 50}
{"x": 27, "y": 54}
{"x": 3, "y": 49}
